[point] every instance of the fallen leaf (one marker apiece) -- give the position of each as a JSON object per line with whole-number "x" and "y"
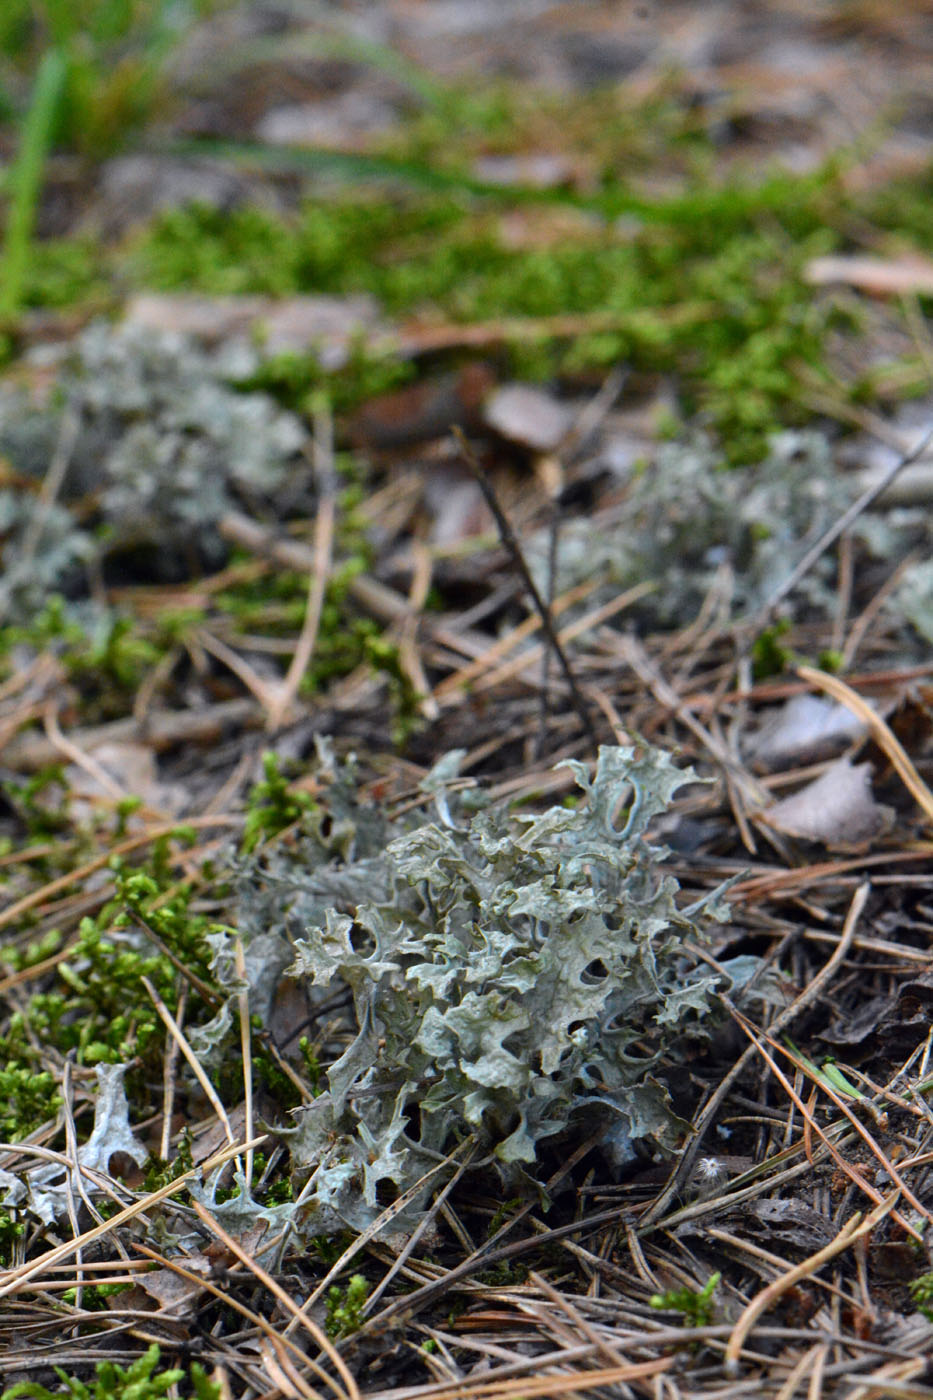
{"x": 527, "y": 415}
{"x": 898, "y": 1020}
{"x": 456, "y": 505}
{"x": 422, "y": 411}
{"x": 133, "y": 768}
{"x": 837, "y": 809}
{"x": 168, "y": 1291}
{"x": 804, "y": 729}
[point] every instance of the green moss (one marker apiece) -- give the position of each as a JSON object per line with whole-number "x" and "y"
{"x": 345, "y": 1307}
{"x": 294, "y": 379}
{"x": 273, "y": 805}
{"x": 709, "y": 287}
{"x": 139, "y": 1381}
{"x": 100, "y": 1009}
{"x": 704, "y": 283}
{"x": 904, "y": 209}
{"x": 384, "y": 657}
{"x": 770, "y": 655}
{"x": 109, "y": 665}
{"x": 29, "y": 1097}
{"x": 16, "y": 959}
{"x": 159, "y": 1172}
{"x": 275, "y": 606}
{"x": 696, "y": 1305}
{"x": 41, "y": 802}
{"x": 105, "y": 654}
{"x": 94, "y": 1296}
{"x": 921, "y": 1290}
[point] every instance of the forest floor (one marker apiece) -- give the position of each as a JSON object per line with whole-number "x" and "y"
{"x": 466, "y": 707}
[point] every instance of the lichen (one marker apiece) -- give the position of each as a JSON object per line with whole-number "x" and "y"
{"x": 157, "y": 441}
{"x": 702, "y": 533}
{"x": 522, "y": 974}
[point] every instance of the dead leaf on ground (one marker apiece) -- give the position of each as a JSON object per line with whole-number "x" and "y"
{"x": 899, "y": 1021}
{"x": 837, "y": 809}
{"x": 456, "y": 505}
{"x": 422, "y": 411}
{"x": 168, "y": 1292}
{"x": 803, "y": 729}
{"x": 133, "y": 768}
{"x": 529, "y": 416}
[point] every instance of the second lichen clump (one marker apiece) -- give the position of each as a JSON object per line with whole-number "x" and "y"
{"x": 524, "y": 973}
{"x": 156, "y": 445}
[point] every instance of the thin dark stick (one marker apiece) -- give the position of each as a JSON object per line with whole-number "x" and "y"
{"x": 586, "y": 424}
{"x": 507, "y": 535}
{"x": 545, "y": 711}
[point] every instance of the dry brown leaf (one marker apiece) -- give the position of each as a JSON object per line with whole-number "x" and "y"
{"x": 168, "y": 1291}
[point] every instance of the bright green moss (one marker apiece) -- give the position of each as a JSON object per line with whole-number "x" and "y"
{"x": 708, "y": 287}
{"x": 139, "y": 1381}
{"x": 704, "y": 283}
{"x": 272, "y": 804}
{"x": 100, "y": 1009}
{"x": 29, "y": 1097}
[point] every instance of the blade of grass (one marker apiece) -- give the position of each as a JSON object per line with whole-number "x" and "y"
{"x": 26, "y": 180}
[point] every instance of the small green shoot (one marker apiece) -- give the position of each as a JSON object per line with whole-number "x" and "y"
{"x": 829, "y": 1075}
{"x": 921, "y": 1290}
{"x": 695, "y": 1305}
{"x": 138, "y": 1381}
{"x": 273, "y": 805}
{"x": 769, "y": 655}
{"x": 345, "y": 1307}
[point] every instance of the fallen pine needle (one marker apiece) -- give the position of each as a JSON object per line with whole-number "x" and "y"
{"x": 850, "y": 1232}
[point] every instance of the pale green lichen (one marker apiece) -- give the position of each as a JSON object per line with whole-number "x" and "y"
{"x": 154, "y": 437}
{"x": 698, "y": 531}
{"x": 522, "y": 975}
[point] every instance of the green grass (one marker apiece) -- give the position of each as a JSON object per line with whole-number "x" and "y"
{"x": 25, "y": 179}
{"x": 112, "y": 52}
